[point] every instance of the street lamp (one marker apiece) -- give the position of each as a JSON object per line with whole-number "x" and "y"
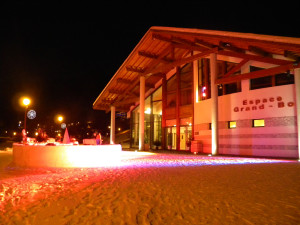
{"x": 26, "y": 103}
{"x": 60, "y": 118}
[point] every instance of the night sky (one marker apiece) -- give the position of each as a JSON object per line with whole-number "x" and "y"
{"x": 63, "y": 54}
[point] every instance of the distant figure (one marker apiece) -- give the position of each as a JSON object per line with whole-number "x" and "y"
{"x": 98, "y": 138}
{"x": 42, "y": 136}
{"x": 24, "y": 136}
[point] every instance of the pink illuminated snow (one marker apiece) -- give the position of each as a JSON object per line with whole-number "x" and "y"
{"x": 148, "y": 188}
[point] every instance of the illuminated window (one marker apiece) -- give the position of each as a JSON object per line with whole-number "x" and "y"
{"x": 258, "y": 123}
{"x": 231, "y": 124}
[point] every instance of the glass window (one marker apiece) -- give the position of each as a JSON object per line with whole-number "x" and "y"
{"x": 171, "y": 92}
{"x": 231, "y": 124}
{"x": 203, "y": 79}
{"x": 269, "y": 81}
{"x": 157, "y": 95}
{"x": 284, "y": 78}
{"x": 262, "y": 82}
{"x": 186, "y": 81}
{"x": 259, "y": 123}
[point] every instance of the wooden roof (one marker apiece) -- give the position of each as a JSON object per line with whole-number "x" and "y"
{"x": 163, "y": 48}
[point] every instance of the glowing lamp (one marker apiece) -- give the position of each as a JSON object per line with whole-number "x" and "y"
{"x": 204, "y": 92}
{"x": 148, "y": 111}
{"x": 26, "y": 101}
{"x": 60, "y": 118}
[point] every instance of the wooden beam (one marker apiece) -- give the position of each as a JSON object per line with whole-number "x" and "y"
{"x": 127, "y": 101}
{"x": 231, "y": 47}
{"x": 259, "y": 51}
{"x": 292, "y": 55}
{"x": 148, "y": 85}
{"x": 168, "y": 67}
{"x": 135, "y": 69}
{"x": 254, "y": 58}
{"x": 148, "y": 54}
{"x": 114, "y": 91}
{"x": 124, "y": 81}
{"x": 236, "y": 68}
{"x": 156, "y": 61}
{"x": 106, "y": 101}
{"x": 204, "y": 44}
{"x": 180, "y": 42}
{"x": 258, "y": 74}
{"x": 160, "y": 75}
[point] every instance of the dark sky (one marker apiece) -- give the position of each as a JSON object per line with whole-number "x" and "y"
{"x": 63, "y": 54}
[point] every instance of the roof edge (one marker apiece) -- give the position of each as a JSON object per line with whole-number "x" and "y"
{"x": 123, "y": 64}
{"x": 261, "y": 37}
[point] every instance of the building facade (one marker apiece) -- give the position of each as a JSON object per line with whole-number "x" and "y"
{"x": 209, "y": 91}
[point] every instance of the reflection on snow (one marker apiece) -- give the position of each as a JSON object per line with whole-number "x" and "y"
{"x": 40, "y": 183}
{"x": 140, "y": 159}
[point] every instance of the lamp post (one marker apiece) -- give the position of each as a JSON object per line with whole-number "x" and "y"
{"x": 26, "y": 103}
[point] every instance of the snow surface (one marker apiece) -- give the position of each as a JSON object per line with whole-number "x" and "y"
{"x": 153, "y": 189}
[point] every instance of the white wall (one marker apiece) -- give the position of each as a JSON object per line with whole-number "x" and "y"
{"x": 275, "y": 104}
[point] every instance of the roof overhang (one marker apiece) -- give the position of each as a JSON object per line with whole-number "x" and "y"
{"x": 163, "y": 48}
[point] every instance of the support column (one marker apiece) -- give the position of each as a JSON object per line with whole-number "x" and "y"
{"x": 142, "y": 114}
{"x": 163, "y": 116}
{"x": 178, "y": 103}
{"x": 196, "y": 81}
{"x": 245, "y": 83}
{"x": 214, "y": 105}
{"x": 195, "y": 93}
{"x": 297, "y": 93}
{"x": 112, "y": 124}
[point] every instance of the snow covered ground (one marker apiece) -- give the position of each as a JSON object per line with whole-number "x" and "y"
{"x": 153, "y": 189}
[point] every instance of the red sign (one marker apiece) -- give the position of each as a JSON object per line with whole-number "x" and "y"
{"x": 259, "y": 104}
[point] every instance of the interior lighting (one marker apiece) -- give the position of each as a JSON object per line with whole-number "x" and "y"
{"x": 231, "y": 124}
{"x": 259, "y": 123}
{"x": 203, "y": 92}
{"x": 148, "y": 111}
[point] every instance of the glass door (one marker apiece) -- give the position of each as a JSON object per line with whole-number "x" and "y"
{"x": 185, "y": 137}
{"x": 171, "y": 138}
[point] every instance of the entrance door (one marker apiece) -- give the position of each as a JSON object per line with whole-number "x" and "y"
{"x": 171, "y": 138}
{"x": 185, "y": 136}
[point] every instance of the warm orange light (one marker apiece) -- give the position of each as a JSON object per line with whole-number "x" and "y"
{"x": 26, "y": 101}
{"x": 60, "y": 118}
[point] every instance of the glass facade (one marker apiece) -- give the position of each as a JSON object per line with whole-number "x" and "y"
{"x": 153, "y": 113}
{"x": 175, "y": 139}
{"x": 204, "y": 81}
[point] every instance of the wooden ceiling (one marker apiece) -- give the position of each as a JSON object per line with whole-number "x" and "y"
{"x": 164, "y": 48}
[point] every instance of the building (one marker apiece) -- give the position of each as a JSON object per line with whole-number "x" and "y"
{"x": 209, "y": 91}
